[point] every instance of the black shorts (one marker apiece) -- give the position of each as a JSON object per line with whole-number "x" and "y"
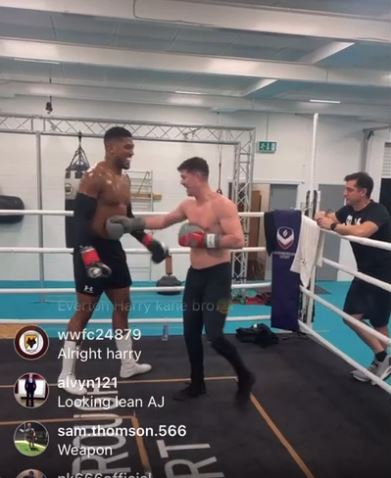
{"x": 112, "y": 254}
{"x": 371, "y": 301}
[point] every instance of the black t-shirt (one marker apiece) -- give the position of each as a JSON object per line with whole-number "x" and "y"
{"x": 372, "y": 261}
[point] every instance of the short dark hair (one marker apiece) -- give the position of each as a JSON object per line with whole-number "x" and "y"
{"x": 116, "y": 132}
{"x": 363, "y": 180}
{"x": 195, "y": 165}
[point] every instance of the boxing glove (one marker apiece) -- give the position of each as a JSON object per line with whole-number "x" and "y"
{"x": 191, "y": 235}
{"x": 95, "y": 268}
{"x": 158, "y": 250}
{"x": 117, "y": 226}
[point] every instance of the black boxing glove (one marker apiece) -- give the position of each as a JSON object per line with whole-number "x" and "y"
{"x": 158, "y": 250}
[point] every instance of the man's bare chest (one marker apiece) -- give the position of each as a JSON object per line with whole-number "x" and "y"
{"x": 204, "y": 216}
{"x": 115, "y": 192}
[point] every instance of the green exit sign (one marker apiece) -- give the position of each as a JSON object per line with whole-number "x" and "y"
{"x": 266, "y": 146}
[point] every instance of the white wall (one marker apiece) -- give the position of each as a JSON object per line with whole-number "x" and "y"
{"x": 338, "y": 153}
{"x": 375, "y": 157}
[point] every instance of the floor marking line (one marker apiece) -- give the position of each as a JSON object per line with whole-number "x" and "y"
{"x": 296, "y": 457}
{"x": 142, "y": 450}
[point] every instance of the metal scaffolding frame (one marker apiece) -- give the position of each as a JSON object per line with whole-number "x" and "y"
{"x": 242, "y": 139}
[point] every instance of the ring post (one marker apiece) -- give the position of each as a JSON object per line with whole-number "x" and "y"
{"x": 310, "y": 305}
{"x": 39, "y": 205}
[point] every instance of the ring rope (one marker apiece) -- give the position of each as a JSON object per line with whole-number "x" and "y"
{"x": 41, "y": 212}
{"x": 346, "y": 358}
{"x": 365, "y": 241}
{"x": 68, "y": 290}
{"x": 31, "y": 212}
{"x": 62, "y": 250}
{"x": 360, "y": 275}
{"x": 346, "y": 316}
{"x": 153, "y": 320}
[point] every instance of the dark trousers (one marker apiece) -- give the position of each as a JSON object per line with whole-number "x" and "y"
{"x": 206, "y": 300}
{"x": 30, "y": 398}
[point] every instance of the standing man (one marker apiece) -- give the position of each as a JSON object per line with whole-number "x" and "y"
{"x": 30, "y": 385}
{"x": 363, "y": 217}
{"x": 213, "y": 229}
{"x": 99, "y": 262}
{"x": 30, "y": 436}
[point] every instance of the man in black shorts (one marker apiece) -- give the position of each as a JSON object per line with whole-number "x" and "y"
{"x": 99, "y": 262}
{"x": 213, "y": 229}
{"x": 365, "y": 218}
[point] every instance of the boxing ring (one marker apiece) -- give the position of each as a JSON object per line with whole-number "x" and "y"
{"x": 308, "y": 416}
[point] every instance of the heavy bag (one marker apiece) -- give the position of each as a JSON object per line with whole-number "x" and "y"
{"x": 169, "y": 280}
{"x": 73, "y": 174}
{"x": 11, "y": 202}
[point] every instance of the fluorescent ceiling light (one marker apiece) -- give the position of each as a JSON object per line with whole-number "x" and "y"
{"x": 177, "y": 100}
{"x": 29, "y": 60}
{"x": 333, "y": 102}
{"x": 183, "y": 92}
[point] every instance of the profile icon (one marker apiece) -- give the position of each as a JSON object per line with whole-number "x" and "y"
{"x": 31, "y": 390}
{"x": 31, "y": 474}
{"x": 31, "y": 342}
{"x": 31, "y": 438}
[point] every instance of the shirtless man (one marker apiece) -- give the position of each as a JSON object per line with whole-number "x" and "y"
{"x": 99, "y": 262}
{"x": 213, "y": 229}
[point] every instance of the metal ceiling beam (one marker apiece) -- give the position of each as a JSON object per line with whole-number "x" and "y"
{"x": 312, "y": 58}
{"x": 261, "y": 19}
{"x": 216, "y": 103}
{"x": 121, "y": 58}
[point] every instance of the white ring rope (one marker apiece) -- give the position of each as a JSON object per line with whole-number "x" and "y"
{"x": 346, "y": 316}
{"x": 345, "y": 357}
{"x": 63, "y": 250}
{"x": 68, "y": 290}
{"x": 41, "y": 212}
{"x": 365, "y": 241}
{"x": 360, "y": 275}
{"x": 146, "y": 321}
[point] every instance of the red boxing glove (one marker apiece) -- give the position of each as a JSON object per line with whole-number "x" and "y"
{"x": 95, "y": 268}
{"x": 193, "y": 236}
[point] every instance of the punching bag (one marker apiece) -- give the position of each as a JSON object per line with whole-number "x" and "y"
{"x": 11, "y": 202}
{"x": 73, "y": 174}
{"x": 168, "y": 280}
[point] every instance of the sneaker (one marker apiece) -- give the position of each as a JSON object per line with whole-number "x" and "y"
{"x": 69, "y": 383}
{"x": 381, "y": 369}
{"x": 191, "y": 391}
{"x": 130, "y": 369}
